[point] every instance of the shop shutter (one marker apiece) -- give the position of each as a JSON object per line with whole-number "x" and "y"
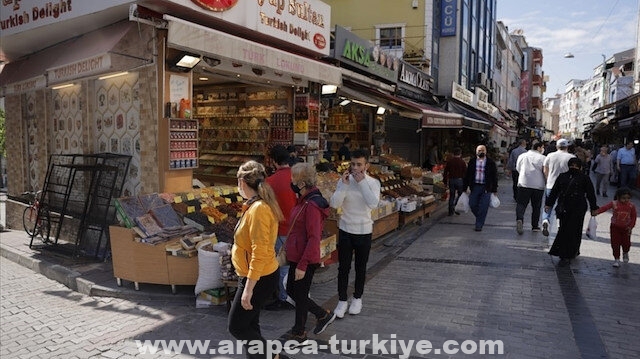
{"x": 402, "y": 137}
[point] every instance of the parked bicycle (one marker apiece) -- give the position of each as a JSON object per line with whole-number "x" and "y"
{"x": 36, "y": 218}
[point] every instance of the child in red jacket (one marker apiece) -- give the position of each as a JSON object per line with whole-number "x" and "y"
{"x": 622, "y": 222}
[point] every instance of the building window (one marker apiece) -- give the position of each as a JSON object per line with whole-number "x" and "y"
{"x": 390, "y": 37}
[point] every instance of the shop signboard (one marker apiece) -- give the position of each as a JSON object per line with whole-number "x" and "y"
{"x": 17, "y": 16}
{"x": 462, "y": 94}
{"x": 77, "y": 69}
{"x": 365, "y": 56}
{"x": 412, "y": 78}
{"x": 441, "y": 122}
{"x": 31, "y": 84}
{"x": 448, "y": 16}
{"x": 303, "y": 23}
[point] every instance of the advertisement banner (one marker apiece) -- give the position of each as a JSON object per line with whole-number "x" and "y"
{"x": 448, "y": 18}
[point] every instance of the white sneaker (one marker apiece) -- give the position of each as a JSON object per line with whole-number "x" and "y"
{"x": 545, "y": 228}
{"x": 356, "y": 306}
{"x": 341, "y": 308}
{"x": 616, "y": 263}
{"x": 625, "y": 257}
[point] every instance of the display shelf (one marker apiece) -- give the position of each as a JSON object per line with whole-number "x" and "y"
{"x": 183, "y": 143}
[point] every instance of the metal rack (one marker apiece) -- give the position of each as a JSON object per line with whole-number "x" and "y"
{"x": 83, "y": 187}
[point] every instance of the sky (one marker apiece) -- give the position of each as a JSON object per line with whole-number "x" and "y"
{"x": 586, "y": 28}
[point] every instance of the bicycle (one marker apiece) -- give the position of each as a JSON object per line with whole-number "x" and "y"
{"x": 36, "y": 218}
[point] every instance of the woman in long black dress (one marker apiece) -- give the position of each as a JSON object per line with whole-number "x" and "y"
{"x": 572, "y": 190}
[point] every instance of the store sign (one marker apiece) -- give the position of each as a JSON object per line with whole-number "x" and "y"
{"x": 482, "y": 100}
{"x": 25, "y": 86}
{"x": 22, "y": 15}
{"x": 435, "y": 121}
{"x": 410, "y": 75}
{"x": 77, "y": 69}
{"x": 462, "y": 94}
{"x": 448, "y": 18}
{"x": 303, "y": 23}
{"x": 364, "y": 55}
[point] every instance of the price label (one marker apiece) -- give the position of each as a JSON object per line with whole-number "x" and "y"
{"x": 177, "y": 199}
{"x": 191, "y": 209}
{"x": 227, "y": 200}
{"x": 204, "y": 205}
{"x": 190, "y": 197}
{"x": 211, "y": 219}
{"x": 204, "y": 195}
{"x": 225, "y": 191}
{"x": 239, "y": 198}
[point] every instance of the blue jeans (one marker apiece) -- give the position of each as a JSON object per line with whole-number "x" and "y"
{"x": 627, "y": 176}
{"x": 551, "y": 216}
{"x": 455, "y": 190}
{"x": 479, "y": 203}
{"x": 284, "y": 270}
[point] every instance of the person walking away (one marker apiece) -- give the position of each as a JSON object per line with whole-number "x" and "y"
{"x": 253, "y": 255}
{"x": 554, "y": 164}
{"x": 303, "y": 249}
{"x": 356, "y": 194}
{"x": 626, "y": 164}
{"x": 572, "y": 190}
{"x": 531, "y": 184}
{"x": 602, "y": 169}
{"x": 344, "y": 152}
{"x": 511, "y": 165}
{"x": 622, "y": 223}
{"x": 614, "y": 180}
{"x": 482, "y": 180}
{"x": 286, "y": 198}
{"x": 454, "y": 171}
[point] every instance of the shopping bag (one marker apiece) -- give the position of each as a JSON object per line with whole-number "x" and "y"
{"x": 495, "y": 201}
{"x": 592, "y": 227}
{"x": 463, "y": 203}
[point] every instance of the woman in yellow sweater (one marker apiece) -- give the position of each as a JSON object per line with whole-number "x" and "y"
{"x": 253, "y": 255}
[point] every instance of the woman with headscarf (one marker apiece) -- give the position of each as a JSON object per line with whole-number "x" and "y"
{"x": 572, "y": 189}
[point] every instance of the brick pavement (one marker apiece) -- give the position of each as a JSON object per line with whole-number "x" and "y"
{"x": 440, "y": 281}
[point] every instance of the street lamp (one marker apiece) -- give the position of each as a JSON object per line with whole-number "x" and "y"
{"x": 568, "y": 55}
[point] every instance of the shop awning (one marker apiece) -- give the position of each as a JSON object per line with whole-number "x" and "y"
{"x": 472, "y": 119}
{"x": 82, "y": 56}
{"x": 196, "y": 38}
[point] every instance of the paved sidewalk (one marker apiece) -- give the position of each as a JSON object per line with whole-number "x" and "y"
{"x": 442, "y": 281}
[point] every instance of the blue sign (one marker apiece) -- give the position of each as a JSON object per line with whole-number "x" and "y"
{"x": 449, "y": 14}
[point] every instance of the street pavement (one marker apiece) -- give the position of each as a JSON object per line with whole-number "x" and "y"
{"x": 439, "y": 281}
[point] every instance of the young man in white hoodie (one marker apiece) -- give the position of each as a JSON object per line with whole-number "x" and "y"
{"x": 357, "y": 194}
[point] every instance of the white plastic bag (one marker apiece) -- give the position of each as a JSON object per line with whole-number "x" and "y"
{"x": 592, "y": 228}
{"x": 495, "y": 201}
{"x": 463, "y": 203}
{"x": 209, "y": 276}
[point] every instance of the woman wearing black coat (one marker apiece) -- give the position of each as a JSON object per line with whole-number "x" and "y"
{"x": 572, "y": 190}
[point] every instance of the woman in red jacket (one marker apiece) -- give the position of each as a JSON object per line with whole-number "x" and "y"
{"x": 303, "y": 249}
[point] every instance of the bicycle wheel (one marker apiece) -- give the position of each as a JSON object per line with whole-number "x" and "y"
{"x": 29, "y": 221}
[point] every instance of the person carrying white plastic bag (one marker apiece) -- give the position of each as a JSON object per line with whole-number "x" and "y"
{"x": 463, "y": 203}
{"x": 591, "y": 228}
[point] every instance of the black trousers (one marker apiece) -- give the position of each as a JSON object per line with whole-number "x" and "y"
{"x": 514, "y": 179}
{"x": 299, "y": 291}
{"x": 245, "y": 324}
{"x": 525, "y": 195}
{"x": 348, "y": 246}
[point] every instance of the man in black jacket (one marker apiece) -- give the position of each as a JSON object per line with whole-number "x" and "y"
{"x": 482, "y": 179}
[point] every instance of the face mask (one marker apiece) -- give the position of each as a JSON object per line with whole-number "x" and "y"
{"x": 481, "y": 154}
{"x": 295, "y": 188}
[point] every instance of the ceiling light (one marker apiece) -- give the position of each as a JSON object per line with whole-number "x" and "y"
{"x": 211, "y": 61}
{"x": 381, "y": 110}
{"x": 113, "y": 75}
{"x": 188, "y": 61}
{"x": 364, "y": 103}
{"x": 345, "y": 102}
{"x": 203, "y": 78}
{"x": 61, "y": 86}
{"x": 329, "y": 89}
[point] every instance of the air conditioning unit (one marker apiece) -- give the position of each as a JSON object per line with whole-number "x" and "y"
{"x": 482, "y": 78}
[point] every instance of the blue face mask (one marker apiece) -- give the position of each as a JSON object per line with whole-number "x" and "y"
{"x": 295, "y": 188}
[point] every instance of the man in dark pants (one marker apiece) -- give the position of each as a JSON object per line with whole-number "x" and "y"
{"x": 454, "y": 172}
{"x": 511, "y": 165}
{"x": 482, "y": 179}
{"x": 357, "y": 194}
{"x": 531, "y": 184}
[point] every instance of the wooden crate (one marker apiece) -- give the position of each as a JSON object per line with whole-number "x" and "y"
{"x": 182, "y": 271}
{"x": 385, "y": 225}
{"x": 409, "y": 217}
